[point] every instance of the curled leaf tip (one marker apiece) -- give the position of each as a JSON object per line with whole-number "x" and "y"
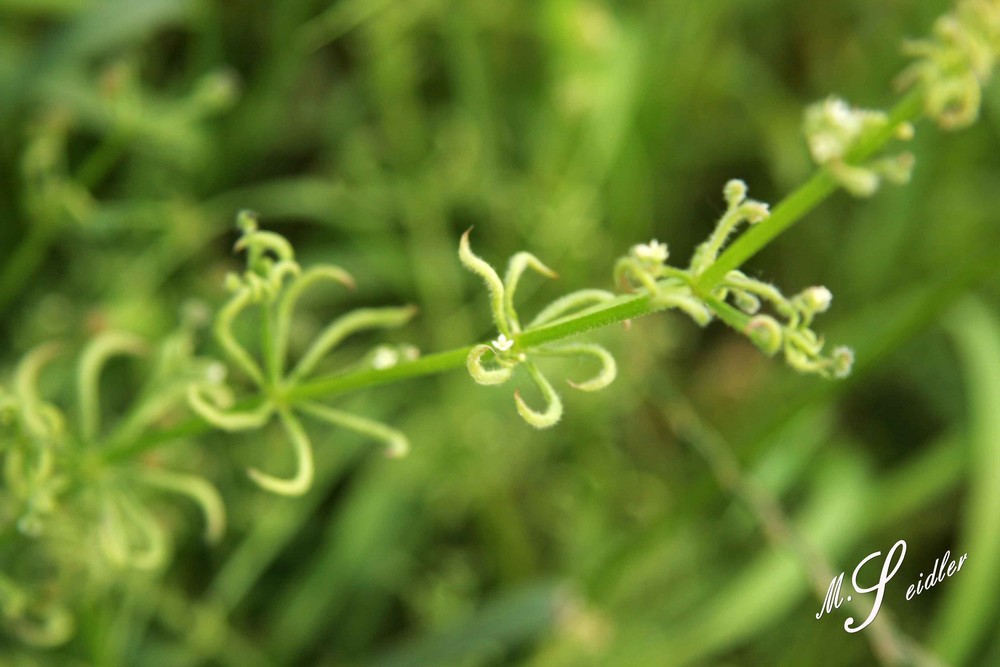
{"x": 494, "y": 285}
{"x": 282, "y": 487}
{"x": 545, "y": 419}
{"x": 523, "y": 260}
{"x": 302, "y": 448}
{"x": 481, "y": 374}
{"x": 464, "y": 241}
{"x": 328, "y": 272}
{"x": 397, "y": 447}
{"x": 397, "y": 444}
{"x": 215, "y": 412}
{"x": 604, "y": 377}
{"x": 300, "y": 483}
{"x": 553, "y": 404}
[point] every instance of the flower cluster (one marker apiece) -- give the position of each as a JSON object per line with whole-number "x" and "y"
{"x": 505, "y": 351}
{"x": 834, "y": 129}
{"x": 645, "y": 268}
{"x": 802, "y": 347}
{"x": 954, "y": 63}
{"x": 274, "y": 282}
{"x": 739, "y": 209}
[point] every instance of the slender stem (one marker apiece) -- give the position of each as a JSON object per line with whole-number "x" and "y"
{"x": 789, "y": 211}
{"x": 330, "y": 385}
{"x": 800, "y": 202}
{"x": 605, "y": 314}
{"x": 194, "y": 426}
{"x": 737, "y": 319}
{"x": 19, "y": 266}
{"x": 370, "y": 377}
{"x": 272, "y": 365}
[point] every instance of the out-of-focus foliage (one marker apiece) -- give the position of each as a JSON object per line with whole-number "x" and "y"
{"x": 372, "y": 133}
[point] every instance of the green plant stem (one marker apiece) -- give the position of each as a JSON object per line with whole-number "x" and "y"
{"x": 795, "y": 206}
{"x": 789, "y": 211}
{"x": 25, "y": 260}
{"x": 272, "y": 359}
{"x": 737, "y": 319}
{"x": 371, "y": 377}
{"x": 617, "y": 311}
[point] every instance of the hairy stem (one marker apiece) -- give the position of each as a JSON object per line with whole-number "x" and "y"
{"x": 785, "y": 214}
{"x": 804, "y": 199}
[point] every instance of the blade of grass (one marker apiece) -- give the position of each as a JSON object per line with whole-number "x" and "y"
{"x": 970, "y": 602}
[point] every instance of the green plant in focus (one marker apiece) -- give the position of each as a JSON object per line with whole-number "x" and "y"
{"x": 94, "y": 451}
{"x": 264, "y": 284}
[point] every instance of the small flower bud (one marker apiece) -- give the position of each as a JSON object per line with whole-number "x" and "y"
{"x": 735, "y": 192}
{"x": 747, "y": 302}
{"x": 246, "y": 221}
{"x": 898, "y": 169}
{"x": 384, "y": 357}
{"x": 765, "y": 332}
{"x": 833, "y": 128}
{"x": 816, "y": 299}
{"x": 859, "y": 181}
{"x": 755, "y": 211}
{"x": 654, "y": 251}
{"x": 843, "y": 360}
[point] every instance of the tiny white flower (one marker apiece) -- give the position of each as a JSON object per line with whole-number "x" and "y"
{"x": 502, "y": 344}
{"x": 385, "y": 357}
{"x": 756, "y": 211}
{"x": 843, "y": 359}
{"x": 654, "y": 250}
{"x": 825, "y": 147}
{"x": 817, "y": 298}
{"x": 842, "y": 116}
{"x": 833, "y": 128}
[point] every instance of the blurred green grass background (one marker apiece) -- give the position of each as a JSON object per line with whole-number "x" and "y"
{"x": 372, "y": 133}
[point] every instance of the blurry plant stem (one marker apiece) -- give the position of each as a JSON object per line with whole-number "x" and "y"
{"x": 889, "y": 644}
{"x": 101, "y": 160}
{"x": 22, "y": 263}
{"x": 785, "y": 214}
